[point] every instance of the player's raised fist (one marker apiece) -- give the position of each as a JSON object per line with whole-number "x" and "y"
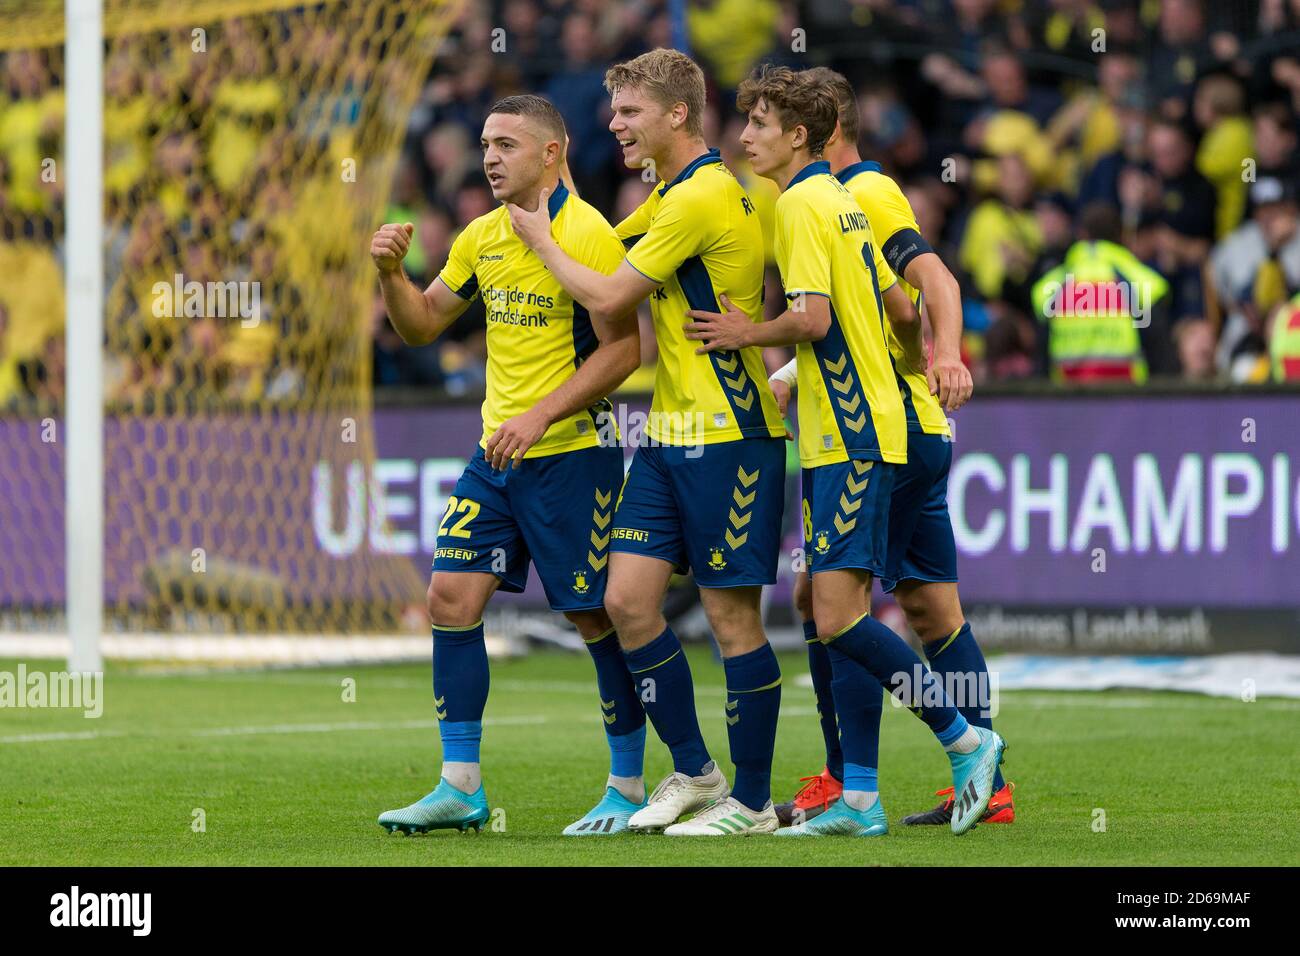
{"x": 389, "y": 245}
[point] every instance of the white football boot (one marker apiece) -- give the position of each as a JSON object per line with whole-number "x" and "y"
{"x": 678, "y": 794}
{"x": 727, "y": 817}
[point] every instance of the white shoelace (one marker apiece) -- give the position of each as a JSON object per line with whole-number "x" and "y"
{"x": 716, "y": 811}
{"x": 669, "y": 786}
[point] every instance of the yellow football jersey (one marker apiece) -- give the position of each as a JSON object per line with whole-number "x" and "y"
{"x": 894, "y": 225}
{"x": 849, "y": 402}
{"x": 698, "y": 237}
{"x": 537, "y": 336}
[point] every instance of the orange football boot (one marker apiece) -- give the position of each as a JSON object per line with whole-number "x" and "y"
{"x": 814, "y": 797}
{"x": 1001, "y": 809}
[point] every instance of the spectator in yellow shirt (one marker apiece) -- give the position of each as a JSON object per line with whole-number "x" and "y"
{"x": 1003, "y": 238}
{"x": 1220, "y": 110}
{"x": 731, "y": 35}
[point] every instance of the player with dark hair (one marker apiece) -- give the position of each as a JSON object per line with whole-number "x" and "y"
{"x": 922, "y": 554}
{"x": 540, "y": 487}
{"x": 852, "y": 439}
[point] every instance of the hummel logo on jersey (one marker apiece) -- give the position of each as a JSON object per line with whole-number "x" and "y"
{"x": 899, "y": 253}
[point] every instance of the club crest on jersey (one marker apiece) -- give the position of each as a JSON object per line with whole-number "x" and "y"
{"x": 580, "y": 585}
{"x": 823, "y": 542}
{"x": 716, "y": 561}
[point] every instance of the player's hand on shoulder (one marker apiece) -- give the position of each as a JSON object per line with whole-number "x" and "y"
{"x": 389, "y": 245}
{"x": 509, "y": 443}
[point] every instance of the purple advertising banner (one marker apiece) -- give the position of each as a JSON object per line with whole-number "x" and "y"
{"x": 1148, "y": 501}
{"x": 1160, "y": 501}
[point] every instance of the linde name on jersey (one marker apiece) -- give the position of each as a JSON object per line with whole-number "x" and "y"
{"x": 853, "y": 222}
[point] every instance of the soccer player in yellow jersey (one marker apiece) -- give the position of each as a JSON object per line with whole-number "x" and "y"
{"x": 921, "y": 567}
{"x": 852, "y": 435}
{"x": 541, "y": 487}
{"x": 706, "y": 492}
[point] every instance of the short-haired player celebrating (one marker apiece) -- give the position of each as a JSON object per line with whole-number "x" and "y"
{"x": 852, "y": 433}
{"x": 707, "y": 492}
{"x": 542, "y": 484}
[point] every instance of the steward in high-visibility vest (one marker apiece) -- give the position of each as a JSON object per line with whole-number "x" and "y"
{"x": 1092, "y": 304}
{"x": 1284, "y": 342}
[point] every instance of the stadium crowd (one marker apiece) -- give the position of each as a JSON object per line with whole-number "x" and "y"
{"x": 1016, "y": 127}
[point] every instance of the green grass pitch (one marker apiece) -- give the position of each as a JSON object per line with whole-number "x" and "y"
{"x": 287, "y": 772}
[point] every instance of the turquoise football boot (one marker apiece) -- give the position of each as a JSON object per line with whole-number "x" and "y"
{"x": 841, "y": 820}
{"x": 608, "y": 817}
{"x": 445, "y": 809}
{"x": 972, "y": 779}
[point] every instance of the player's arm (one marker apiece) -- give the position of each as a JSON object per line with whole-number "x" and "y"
{"x": 615, "y": 358}
{"x": 911, "y": 257}
{"x": 602, "y": 294}
{"x": 807, "y": 320}
{"x": 419, "y": 317}
{"x": 903, "y": 319}
{"x": 804, "y": 255}
{"x": 948, "y": 376}
{"x": 905, "y": 322}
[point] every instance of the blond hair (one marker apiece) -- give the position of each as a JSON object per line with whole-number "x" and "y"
{"x": 668, "y": 77}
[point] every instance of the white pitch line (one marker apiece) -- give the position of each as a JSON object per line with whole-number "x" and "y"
{"x": 524, "y": 720}
{"x": 517, "y": 720}
{"x": 81, "y": 735}
{"x": 1099, "y": 699}
{"x": 255, "y": 677}
{"x": 1023, "y": 697}
{"x": 1030, "y": 702}
{"x": 252, "y": 731}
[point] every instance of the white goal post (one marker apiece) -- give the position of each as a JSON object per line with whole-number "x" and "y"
{"x": 83, "y": 430}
